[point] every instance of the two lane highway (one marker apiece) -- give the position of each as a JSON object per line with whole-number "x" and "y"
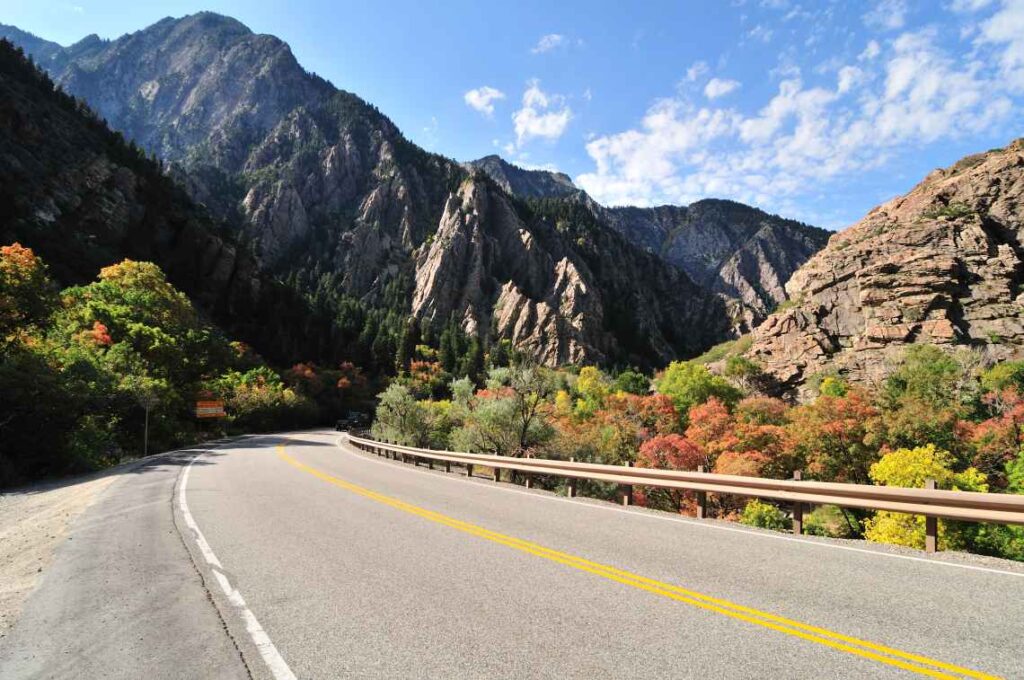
{"x": 319, "y": 561}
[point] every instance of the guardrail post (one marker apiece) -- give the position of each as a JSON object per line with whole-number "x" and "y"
{"x": 626, "y": 490}
{"x": 702, "y": 499}
{"x": 497, "y": 473}
{"x": 430, "y": 463}
{"x": 931, "y": 525}
{"x": 447, "y": 466}
{"x": 469, "y": 469}
{"x": 572, "y": 480}
{"x": 798, "y": 508}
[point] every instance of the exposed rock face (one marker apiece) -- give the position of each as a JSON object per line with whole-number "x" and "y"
{"x": 570, "y": 293}
{"x": 336, "y": 202}
{"x": 525, "y": 183}
{"x": 942, "y": 265}
{"x": 726, "y": 247}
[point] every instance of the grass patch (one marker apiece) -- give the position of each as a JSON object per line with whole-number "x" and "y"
{"x": 724, "y": 350}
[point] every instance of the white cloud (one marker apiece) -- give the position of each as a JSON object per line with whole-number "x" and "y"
{"x": 697, "y": 71}
{"x": 548, "y": 42}
{"x": 913, "y": 93}
{"x": 872, "y": 50}
{"x": 717, "y": 87}
{"x": 542, "y": 115}
{"x": 482, "y": 99}
{"x": 887, "y": 15}
{"x": 1005, "y": 29}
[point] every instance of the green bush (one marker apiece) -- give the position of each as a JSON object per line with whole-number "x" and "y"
{"x": 765, "y": 516}
{"x": 831, "y": 522}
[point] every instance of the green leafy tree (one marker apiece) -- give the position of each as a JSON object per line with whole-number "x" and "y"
{"x": 401, "y": 418}
{"x": 690, "y": 384}
{"x": 632, "y": 382}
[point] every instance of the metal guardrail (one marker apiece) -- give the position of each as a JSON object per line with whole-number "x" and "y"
{"x": 932, "y": 503}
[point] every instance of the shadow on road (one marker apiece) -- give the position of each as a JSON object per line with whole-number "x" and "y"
{"x": 178, "y": 457}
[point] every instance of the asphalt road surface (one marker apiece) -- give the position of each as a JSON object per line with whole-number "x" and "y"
{"x": 296, "y": 556}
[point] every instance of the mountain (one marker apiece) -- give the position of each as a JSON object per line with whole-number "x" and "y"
{"x": 525, "y": 183}
{"x": 726, "y": 247}
{"x": 943, "y": 264}
{"x": 83, "y": 198}
{"x": 367, "y": 227}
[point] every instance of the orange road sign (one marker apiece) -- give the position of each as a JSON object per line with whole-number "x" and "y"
{"x": 210, "y": 409}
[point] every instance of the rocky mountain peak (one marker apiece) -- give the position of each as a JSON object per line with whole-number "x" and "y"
{"x": 522, "y": 182}
{"x": 943, "y": 264}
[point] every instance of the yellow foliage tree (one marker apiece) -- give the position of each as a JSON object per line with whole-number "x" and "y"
{"x": 910, "y": 468}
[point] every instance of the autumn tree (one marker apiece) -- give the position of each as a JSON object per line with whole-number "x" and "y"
{"x": 667, "y": 452}
{"x": 833, "y": 437}
{"x": 911, "y": 468}
{"x": 27, "y": 295}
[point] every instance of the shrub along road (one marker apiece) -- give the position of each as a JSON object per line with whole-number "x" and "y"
{"x": 290, "y": 556}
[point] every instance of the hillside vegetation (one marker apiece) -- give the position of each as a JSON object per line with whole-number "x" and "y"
{"x": 939, "y": 416}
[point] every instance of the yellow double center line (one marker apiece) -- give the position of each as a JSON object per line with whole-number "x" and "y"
{"x": 915, "y": 663}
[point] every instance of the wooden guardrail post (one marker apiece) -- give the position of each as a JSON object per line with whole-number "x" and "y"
{"x": 702, "y": 499}
{"x": 798, "y": 508}
{"x": 572, "y": 480}
{"x": 931, "y": 525}
{"x": 447, "y": 466}
{"x": 497, "y": 473}
{"x": 469, "y": 469}
{"x": 626, "y": 490}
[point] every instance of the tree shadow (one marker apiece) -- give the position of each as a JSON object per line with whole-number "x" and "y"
{"x": 197, "y": 454}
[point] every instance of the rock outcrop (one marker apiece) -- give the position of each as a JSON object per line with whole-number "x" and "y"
{"x": 943, "y": 264}
{"x": 726, "y": 247}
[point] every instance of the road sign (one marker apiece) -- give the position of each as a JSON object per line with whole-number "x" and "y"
{"x": 210, "y": 409}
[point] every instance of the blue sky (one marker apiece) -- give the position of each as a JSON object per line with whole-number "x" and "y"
{"x": 814, "y": 110}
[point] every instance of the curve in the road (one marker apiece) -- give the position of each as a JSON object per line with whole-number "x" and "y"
{"x": 876, "y": 652}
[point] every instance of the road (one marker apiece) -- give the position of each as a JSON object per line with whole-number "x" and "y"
{"x": 295, "y": 555}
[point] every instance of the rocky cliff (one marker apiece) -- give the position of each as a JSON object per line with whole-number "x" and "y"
{"x": 359, "y": 221}
{"x": 726, "y": 247}
{"x": 943, "y": 264}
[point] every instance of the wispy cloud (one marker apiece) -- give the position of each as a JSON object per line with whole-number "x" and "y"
{"x": 482, "y": 99}
{"x": 548, "y": 42}
{"x": 697, "y": 71}
{"x": 887, "y": 15}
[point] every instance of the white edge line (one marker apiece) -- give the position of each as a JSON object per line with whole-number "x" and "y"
{"x": 275, "y": 662}
{"x": 703, "y": 525}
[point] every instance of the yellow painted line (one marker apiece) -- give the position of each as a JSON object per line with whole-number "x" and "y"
{"x": 915, "y": 663}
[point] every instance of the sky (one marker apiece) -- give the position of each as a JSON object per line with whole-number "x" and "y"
{"x": 813, "y": 110}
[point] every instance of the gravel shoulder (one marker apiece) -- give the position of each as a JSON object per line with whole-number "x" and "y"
{"x": 34, "y": 520}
